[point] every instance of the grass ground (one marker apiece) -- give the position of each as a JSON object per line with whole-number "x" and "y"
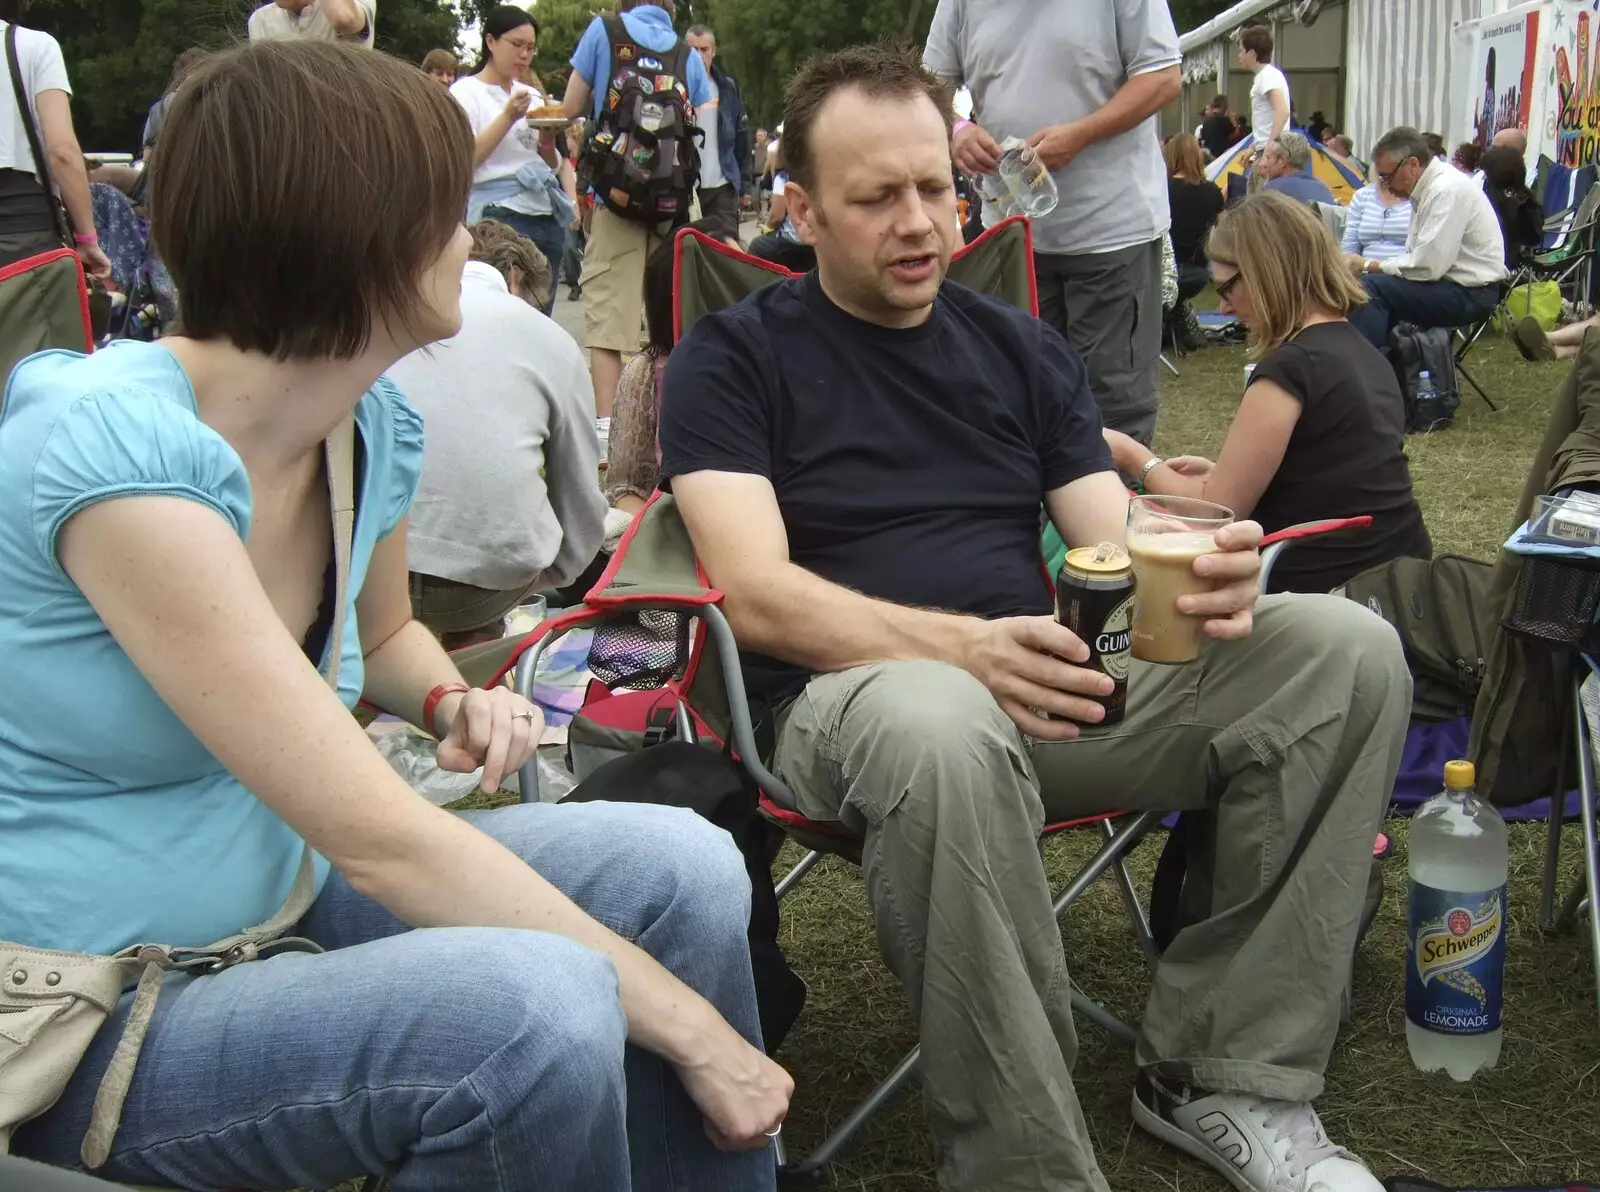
{"x": 1534, "y": 1120}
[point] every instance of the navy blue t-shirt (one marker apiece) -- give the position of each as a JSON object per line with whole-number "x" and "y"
{"x": 909, "y": 464}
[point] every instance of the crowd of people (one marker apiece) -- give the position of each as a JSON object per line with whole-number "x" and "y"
{"x": 849, "y": 448}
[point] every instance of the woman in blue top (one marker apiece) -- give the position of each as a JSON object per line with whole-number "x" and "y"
{"x": 582, "y": 1017}
{"x": 1376, "y": 223}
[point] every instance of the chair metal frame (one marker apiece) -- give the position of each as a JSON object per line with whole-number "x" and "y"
{"x": 1576, "y": 735}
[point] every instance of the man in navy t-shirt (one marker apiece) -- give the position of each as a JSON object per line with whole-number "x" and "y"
{"x": 860, "y": 456}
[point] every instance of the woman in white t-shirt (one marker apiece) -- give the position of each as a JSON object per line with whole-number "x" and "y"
{"x": 514, "y": 164}
{"x": 26, "y": 226}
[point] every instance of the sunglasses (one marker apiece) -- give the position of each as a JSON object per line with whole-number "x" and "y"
{"x": 1224, "y": 288}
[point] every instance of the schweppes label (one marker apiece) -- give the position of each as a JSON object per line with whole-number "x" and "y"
{"x": 1455, "y": 960}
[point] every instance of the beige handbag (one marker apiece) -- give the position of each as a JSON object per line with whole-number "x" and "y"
{"x": 52, "y": 1003}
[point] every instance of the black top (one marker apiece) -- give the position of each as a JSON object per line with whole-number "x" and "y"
{"x": 1195, "y": 207}
{"x": 1217, "y": 133}
{"x": 909, "y": 464}
{"x": 1346, "y": 456}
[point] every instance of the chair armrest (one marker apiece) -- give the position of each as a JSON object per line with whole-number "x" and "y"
{"x": 1275, "y": 543}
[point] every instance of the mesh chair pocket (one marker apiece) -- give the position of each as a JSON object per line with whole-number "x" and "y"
{"x": 640, "y": 651}
{"x": 1556, "y": 603}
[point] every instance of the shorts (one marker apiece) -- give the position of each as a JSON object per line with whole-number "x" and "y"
{"x": 613, "y": 280}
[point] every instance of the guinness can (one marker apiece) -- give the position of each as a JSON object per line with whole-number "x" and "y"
{"x": 1094, "y": 599}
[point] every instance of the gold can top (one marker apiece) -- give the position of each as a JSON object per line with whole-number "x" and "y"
{"x": 1459, "y": 775}
{"x": 1106, "y": 559}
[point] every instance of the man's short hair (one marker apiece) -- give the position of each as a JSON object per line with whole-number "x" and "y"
{"x": 504, "y": 248}
{"x": 1340, "y": 144}
{"x": 1402, "y": 143}
{"x": 1258, "y": 40}
{"x": 1219, "y": 102}
{"x": 1294, "y": 149}
{"x": 882, "y": 71}
{"x": 438, "y": 60}
{"x": 300, "y": 189}
{"x": 701, "y": 31}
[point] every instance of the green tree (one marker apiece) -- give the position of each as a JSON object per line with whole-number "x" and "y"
{"x": 561, "y": 24}
{"x": 119, "y": 53}
{"x": 1191, "y": 14}
{"x": 762, "y": 42}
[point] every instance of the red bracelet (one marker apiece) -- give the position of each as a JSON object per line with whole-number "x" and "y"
{"x": 431, "y": 704}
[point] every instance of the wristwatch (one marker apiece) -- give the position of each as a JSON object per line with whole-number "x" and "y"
{"x": 1150, "y": 465}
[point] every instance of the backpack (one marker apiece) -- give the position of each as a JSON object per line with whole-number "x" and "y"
{"x": 675, "y": 773}
{"x": 1438, "y": 607}
{"x": 1413, "y": 350}
{"x": 642, "y": 158}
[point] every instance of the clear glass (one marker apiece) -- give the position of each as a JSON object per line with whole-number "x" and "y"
{"x": 1165, "y": 536}
{"x": 1030, "y": 184}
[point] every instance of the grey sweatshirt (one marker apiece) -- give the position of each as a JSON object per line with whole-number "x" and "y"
{"x": 510, "y": 491}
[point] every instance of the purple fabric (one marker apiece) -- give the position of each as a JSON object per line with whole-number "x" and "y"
{"x": 1428, "y": 747}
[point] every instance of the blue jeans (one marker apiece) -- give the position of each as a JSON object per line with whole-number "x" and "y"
{"x": 453, "y": 1058}
{"x": 1392, "y": 300}
{"x": 545, "y": 232}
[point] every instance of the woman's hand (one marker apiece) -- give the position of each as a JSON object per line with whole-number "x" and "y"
{"x": 741, "y": 1093}
{"x": 517, "y": 106}
{"x": 496, "y": 729}
{"x": 1197, "y": 466}
{"x": 95, "y": 262}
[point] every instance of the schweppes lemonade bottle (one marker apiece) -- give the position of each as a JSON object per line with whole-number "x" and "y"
{"x": 1456, "y": 946}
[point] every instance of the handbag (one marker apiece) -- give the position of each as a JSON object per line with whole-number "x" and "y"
{"x": 58, "y": 214}
{"x": 52, "y": 1003}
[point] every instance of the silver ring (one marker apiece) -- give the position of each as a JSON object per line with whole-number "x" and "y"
{"x": 524, "y": 715}
{"x": 775, "y": 1131}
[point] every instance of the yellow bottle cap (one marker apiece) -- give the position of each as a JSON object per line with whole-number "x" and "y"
{"x": 1460, "y": 775}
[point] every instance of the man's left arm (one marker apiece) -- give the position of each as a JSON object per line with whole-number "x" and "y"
{"x": 349, "y": 18}
{"x": 1151, "y": 61}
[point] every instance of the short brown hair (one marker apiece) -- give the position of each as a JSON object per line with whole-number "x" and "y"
{"x": 1258, "y": 40}
{"x": 503, "y": 247}
{"x": 1183, "y": 158}
{"x": 439, "y": 60}
{"x": 1289, "y": 260}
{"x": 307, "y": 186}
{"x": 883, "y": 71}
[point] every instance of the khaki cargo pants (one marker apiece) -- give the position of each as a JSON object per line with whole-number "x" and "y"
{"x": 1291, "y": 739}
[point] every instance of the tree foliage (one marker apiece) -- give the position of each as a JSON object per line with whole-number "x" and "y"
{"x": 1191, "y": 14}
{"x": 119, "y": 53}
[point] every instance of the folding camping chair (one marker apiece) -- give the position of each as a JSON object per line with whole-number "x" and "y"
{"x": 44, "y": 303}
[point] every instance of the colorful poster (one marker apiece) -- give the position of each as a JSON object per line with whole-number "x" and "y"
{"x": 1577, "y": 96}
{"x": 1503, "y": 76}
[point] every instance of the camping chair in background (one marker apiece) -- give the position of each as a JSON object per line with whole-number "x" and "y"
{"x": 44, "y": 303}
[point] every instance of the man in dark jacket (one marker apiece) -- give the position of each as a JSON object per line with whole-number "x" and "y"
{"x": 726, "y": 145}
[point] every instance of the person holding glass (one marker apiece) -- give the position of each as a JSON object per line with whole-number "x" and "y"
{"x": 1320, "y": 432}
{"x": 516, "y": 167}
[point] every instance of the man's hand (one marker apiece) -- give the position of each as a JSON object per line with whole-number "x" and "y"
{"x": 1236, "y": 572}
{"x": 1058, "y": 144}
{"x": 1020, "y": 661}
{"x": 975, "y": 151}
{"x": 1356, "y": 263}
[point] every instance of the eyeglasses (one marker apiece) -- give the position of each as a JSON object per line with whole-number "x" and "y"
{"x": 1224, "y": 288}
{"x": 521, "y": 46}
{"x": 1384, "y": 178}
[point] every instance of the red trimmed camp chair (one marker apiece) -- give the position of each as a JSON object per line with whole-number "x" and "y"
{"x": 666, "y": 661}
{"x": 44, "y": 303}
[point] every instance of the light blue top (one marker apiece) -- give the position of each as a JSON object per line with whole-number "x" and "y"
{"x": 116, "y": 825}
{"x": 1373, "y": 230}
{"x": 651, "y": 27}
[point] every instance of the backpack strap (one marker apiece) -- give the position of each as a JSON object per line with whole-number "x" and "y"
{"x": 25, "y": 114}
{"x": 152, "y": 961}
{"x": 620, "y": 38}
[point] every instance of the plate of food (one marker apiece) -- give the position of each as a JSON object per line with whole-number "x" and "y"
{"x": 550, "y": 115}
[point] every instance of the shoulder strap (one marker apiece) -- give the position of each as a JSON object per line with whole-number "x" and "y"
{"x": 25, "y": 114}
{"x": 619, "y": 35}
{"x": 149, "y": 962}
{"x": 677, "y": 62}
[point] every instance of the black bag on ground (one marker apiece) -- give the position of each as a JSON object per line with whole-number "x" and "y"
{"x": 1413, "y": 351}
{"x": 711, "y": 784}
{"x": 642, "y": 159}
{"x": 1439, "y": 607}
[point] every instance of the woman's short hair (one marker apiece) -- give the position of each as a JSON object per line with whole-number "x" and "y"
{"x": 1183, "y": 158}
{"x": 299, "y": 191}
{"x": 442, "y": 61}
{"x": 1289, "y": 260}
{"x": 504, "y": 248}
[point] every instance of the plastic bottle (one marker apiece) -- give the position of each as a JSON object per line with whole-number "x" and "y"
{"x": 1430, "y": 408}
{"x": 1456, "y": 942}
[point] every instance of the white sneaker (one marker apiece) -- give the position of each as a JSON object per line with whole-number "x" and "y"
{"x": 1257, "y": 1144}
